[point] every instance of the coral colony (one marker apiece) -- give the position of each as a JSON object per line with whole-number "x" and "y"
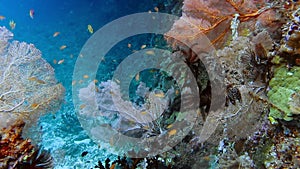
{"x": 257, "y": 52}
{"x": 28, "y": 90}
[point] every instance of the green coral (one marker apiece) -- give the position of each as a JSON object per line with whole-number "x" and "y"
{"x": 285, "y": 88}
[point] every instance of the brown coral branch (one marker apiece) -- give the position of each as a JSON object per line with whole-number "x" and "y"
{"x": 236, "y": 7}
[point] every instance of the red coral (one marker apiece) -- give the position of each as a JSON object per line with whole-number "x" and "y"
{"x": 202, "y": 19}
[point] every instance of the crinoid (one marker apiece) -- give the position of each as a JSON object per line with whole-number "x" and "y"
{"x": 19, "y": 153}
{"x": 214, "y": 20}
{"x": 40, "y": 159}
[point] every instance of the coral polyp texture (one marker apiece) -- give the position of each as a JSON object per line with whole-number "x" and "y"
{"x": 28, "y": 87}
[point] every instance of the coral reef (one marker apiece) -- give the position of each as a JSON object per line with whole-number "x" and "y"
{"x": 27, "y": 83}
{"x": 259, "y": 85}
{"x": 17, "y": 153}
{"x": 261, "y": 76}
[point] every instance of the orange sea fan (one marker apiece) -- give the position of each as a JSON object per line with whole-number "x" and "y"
{"x": 202, "y": 19}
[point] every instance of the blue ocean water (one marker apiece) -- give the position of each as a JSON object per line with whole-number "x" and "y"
{"x": 62, "y": 134}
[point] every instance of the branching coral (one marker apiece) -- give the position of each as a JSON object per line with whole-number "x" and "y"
{"x": 27, "y": 83}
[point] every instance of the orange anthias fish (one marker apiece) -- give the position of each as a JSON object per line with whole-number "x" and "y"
{"x": 63, "y": 47}
{"x": 61, "y": 61}
{"x": 12, "y": 24}
{"x": 31, "y": 13}
{"x": 2, "y": 17}
{"x": 56, "y": 34}
{"x": 172, "y": 132}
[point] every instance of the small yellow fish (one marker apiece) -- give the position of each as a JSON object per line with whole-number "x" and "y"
{"x": 143, "y": 46}
{"x": 82, "y": 106}
{"x": 170, "y": 126}
{"x": 85, "y": 76}
{"x": 63, "y": 47}
{"x": 144, "y": 113}
{"x": 156, "y": 9}
{"x": 95, "y": 81}
{"x": 12, "y": 24}
{"x": 56, "y": 34}
{"x": 61, "y": 61}
{"x": 150, "y": 52}
{"x": 2, "y": 17}
{"x": 160, "y": 95}
{"x": 172, "y": 132}
{"x": 137, "y": 77}
{"x": 90, "y": 29}
{"x": 35, "y": 105}
{"x": 33, "y": 78}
